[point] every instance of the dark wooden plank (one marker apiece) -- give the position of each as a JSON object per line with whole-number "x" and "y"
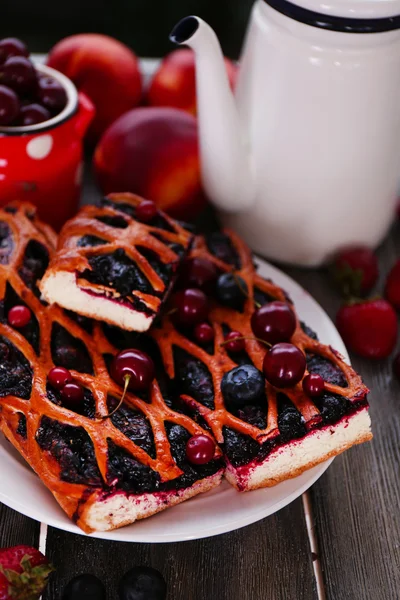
{"x": 17, "y": 529}
{"x": 267, "y": 560}
{"x": 356, "y": 503}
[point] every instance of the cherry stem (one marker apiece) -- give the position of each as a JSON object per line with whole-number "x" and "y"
{"x": 244, "y": 337}
{"x": 127, "y": 379}
{"x": 243, "y": 290}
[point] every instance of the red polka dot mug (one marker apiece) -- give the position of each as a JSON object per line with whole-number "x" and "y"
{"x": 43, "y": 163}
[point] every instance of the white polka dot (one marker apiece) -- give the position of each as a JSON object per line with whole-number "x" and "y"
{"x": 79, "y": 174}
{"x": 40, "y": 147}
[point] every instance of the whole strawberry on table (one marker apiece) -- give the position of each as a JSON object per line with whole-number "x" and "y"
{"x": 24, "y": 573}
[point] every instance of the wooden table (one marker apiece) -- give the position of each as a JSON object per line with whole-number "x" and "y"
{"x": 355, "y": 518}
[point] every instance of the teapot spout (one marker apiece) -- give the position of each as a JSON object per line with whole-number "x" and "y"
{"x": 225, "y": 156}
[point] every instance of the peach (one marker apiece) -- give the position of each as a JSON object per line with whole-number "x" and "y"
{"x": 105, "y": 69}
{"x": 153, "y": 152}
{"x": 174, "y": 82}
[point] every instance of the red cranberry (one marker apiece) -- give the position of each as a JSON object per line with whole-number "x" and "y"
{"x": 284, "y": 365}
{"x": 313, "y": 385}
{"x": 9, "y": 105}
{"x": 136, "y": 365}
{"x": 51, "y": 94}
{"x": 146, "y": 211}
{"x": 396, "y": 366}
{"x": 31, "y": 114}
{"x": 204, "y": 333}
{"x": 235, "y": 341}
{"x": 200, "y": 449}
{"x": 199, "y": 273}
{"x": 72, "y": 394}
{"x": 192, "y": 307}
{"x": 274, "y": 322}
{"x": 58, "y": 377}
{"x": 12, "y": 47}
{"x": 19, "y": 74}
{"x": 19, "y": 316}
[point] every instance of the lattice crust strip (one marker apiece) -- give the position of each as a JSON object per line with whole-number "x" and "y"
{"x": 220, "y": 361}
{"x": 21, "y": 415}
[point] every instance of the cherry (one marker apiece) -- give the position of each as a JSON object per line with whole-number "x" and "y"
{"x": 9, "y": 105}
{"x": 12, "y": 47}
{"x": 31, "y": 114}
{"x": 234, "y": 341}
{"x": 313, "y": 385}
{"x": 135, "y": 367}
{"x": 204, "y": 333}
{"x": 58, "y": 377}
{"x": 274, "y": 322}
{"x": 51, "y": 94}
{"x": 199, "y": 273}
{"x": 396, "y": 366}
{"x": 192, "y": 307}
{"x": 19, "y": 316}
{"x": 284, "y": 365}
{"x": 19, "y": 74}
{"x": 146, "y": 211}
{"x": 72, "y": 394}
{"x": 200, "y": 449}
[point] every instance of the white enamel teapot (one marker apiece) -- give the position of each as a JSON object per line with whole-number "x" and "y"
{"x": 305, "y": 159}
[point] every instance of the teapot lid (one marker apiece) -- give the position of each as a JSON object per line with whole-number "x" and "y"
{"x": 352, "y": 16}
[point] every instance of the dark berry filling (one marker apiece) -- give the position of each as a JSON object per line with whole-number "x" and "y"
{"x": 31, "y": 331}
{"x": 308, "y": 331}
{"x": 128, "y": 474}
{"x": 290, "y": 422}
{"x": 68, "y": 351}
{"x": 174, "y": 246}
{"x": 72, "y": 448}
{"x": 241, "y": 449}
{"x": 12, "y": 210}
{"x": 21, "y": 429}
{"x": 117, "y": 222}
{"x": 231, "y": 291}
{"x": 134, "y": 425}
{"x": 87, "y": 408}
{"x": 255, "y": 415}
{"x": 6, "y": 243}
{"x": 34, "y": 265}
{"x": 15, "y": 371}
{"x": 328, "y": 371}
{"x": 164, "y": 271}
{"x": 91, "y": 240}
{"x": 130, "y": 210}
{"x": 84, "y": 322}
{"x": 332, "y": 407}
{"x": 261, "y": 298}
{"x": 193, "y": 377}
{"x": 222, "y": 248}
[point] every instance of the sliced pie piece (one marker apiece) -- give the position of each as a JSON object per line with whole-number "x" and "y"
{"x": 114, "y": 268}
{"x": 284, "y": 432}
{"x": 104, "y": 472}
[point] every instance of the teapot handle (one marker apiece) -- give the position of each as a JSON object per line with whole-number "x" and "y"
{"x": 85, "y": 114}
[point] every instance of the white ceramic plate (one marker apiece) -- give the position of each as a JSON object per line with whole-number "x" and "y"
{"x": 221, "y": 510}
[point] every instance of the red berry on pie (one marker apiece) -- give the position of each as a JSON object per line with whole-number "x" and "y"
{"x": 204, "y": 333}
{"x": 356, "y": 270}
{"x": 234, "y": 341}
{"x": 24, "y": 572}
{"x": 19, "y": 316}
{"x": 135, "y": 365}
{"x": 392, "y": 287}
{"x": 58, "y": 377}
{"x": 396, "y": 366}
{"x": 313, "y": 385}
{"x": 274, "y": 322}
{"x": 199, "y": 273}
{"x": 146, "y": 211}
{"x": 200, "y": 449}
{"x": 284, "y": 365}
{"x": 72, "y": 394}
{"x": 368, "y": 328}
{"x": 191, "y": 307}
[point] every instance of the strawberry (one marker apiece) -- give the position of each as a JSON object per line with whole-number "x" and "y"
{"x": 355, "y": 271}
{"x": 368, "y": 327}
{"x": 23, "y": 573}
{"x": 392, "y": 287}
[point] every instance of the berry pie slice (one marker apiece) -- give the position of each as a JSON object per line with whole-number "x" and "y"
{"x": 269, "y": 432}
{"x": 116, "y": 262}
{"x": 106, "y": 469}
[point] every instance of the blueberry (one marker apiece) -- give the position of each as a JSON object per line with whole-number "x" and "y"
{"x": 84, "y": 587}
{"x": 142, "y": 583}
{"x": 231, "y": 290}
{"x": 243, "y": 385}
{"x": 332, "y": 407}
{"x": 290, "y": 424}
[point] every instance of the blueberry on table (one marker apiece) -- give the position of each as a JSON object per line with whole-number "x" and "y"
{"x": 85, "y": 587}
{"x": 243, "y": 385}
{"x": 142, "y": 583}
